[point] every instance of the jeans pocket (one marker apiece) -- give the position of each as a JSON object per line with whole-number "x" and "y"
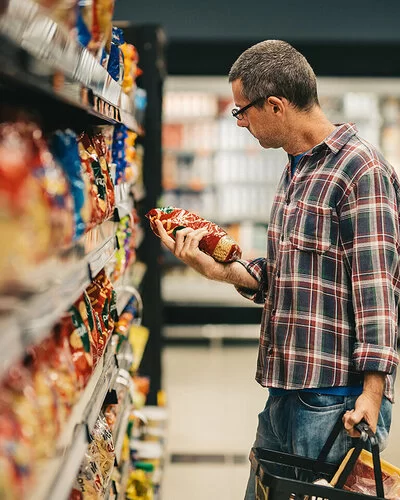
{"x": 314, "y": 401}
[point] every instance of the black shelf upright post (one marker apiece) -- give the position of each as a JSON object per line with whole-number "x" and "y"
{"x": 150, "y": 43}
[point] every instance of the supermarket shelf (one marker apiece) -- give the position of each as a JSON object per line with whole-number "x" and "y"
{"x": 34, "y": 317}
{"x": 122, "y": 427}
{"x": 99, "y": 257}
{"x": 105, "y": 382}
{"x": 197, "y": 291}
{"x": 41, "y": 312}
{"x": 34, "y": 49}
{"x": 212, "y": 332}
{"x": 55, "y": 476}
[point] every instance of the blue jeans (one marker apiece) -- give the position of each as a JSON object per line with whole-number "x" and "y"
{"x": 300, "y": 422}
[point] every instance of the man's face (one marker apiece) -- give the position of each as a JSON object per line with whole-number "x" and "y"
{"x": 262, "y": 122}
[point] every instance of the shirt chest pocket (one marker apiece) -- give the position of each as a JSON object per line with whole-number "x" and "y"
{"x": 312, "y": 228}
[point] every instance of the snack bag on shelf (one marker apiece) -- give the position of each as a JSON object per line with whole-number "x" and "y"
{"x": 62, "y": 372}
{"x": 65, "y": 149}
{"x": 16, "y": 453}
{"x": 80, "y": 342}
{"x": 131, "y": 69}
{"x": 89, "y": 153}
{"x": 101, "y": 450}
{"x": 48, "y": 403}
{"x": 88, "y": 317}
{"x": 128, "y": 316}
{"x": 25, "y": 405}
{"x": 216, "y": 243}
{"x": 118, "y": 152}
{"x": 98, "y": 205}
{"x": 116, "y": 60}
{"x": 139, "y": 486}
{"x": 107, "y": 131}
{"x": 88, "y": 484}
{"x": 24, "y": 212}
{"x": 103, "y": 301}
{"x": 55, "y": 190}
{"x": 101, "y": 149}
{"x": 132, "y": 170}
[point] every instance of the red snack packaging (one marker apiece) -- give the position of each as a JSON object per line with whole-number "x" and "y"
{"x": 93, "y": 171}
{"x": 74, "y": 329}
{"x": 16, "y": 455}
{"x": 103, "y": 301}
{"x": 216, "y": 243}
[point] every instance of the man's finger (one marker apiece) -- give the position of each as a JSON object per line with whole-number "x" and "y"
{"x": 350, "y": 419}
{"x": 165, "y": 237}
{"x": 195, "y": 238}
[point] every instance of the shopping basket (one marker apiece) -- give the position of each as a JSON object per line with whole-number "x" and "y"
{"x": 273, "y": 486}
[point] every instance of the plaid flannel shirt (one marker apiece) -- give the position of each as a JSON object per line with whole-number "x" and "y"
{"x": 330, "y": 282}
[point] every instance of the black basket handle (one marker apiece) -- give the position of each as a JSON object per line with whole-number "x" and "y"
{"x": 366, "y": 434}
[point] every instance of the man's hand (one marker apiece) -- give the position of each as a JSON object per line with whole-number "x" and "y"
{"x": 186, "y": 248}
{"x": 367, "y": 405}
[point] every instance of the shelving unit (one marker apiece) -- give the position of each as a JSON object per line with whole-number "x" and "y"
{"x": 42, "y": 66}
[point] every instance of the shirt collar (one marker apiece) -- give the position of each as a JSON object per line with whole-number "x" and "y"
{"x": 340, "y": 136}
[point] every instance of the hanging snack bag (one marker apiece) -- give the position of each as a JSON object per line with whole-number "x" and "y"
{"x": 118, "y": 152}
{"x": 116, "y": 60}
{"x": 19, "y": 385}
{"x": 16, "y": 455}
{"x": 24, "y": 212}
{"x": 63, "y": 371}
{"x": 89, "y": 481}
{"x": 100, "y": 295}
{"x": 75, "y": 330}
{"x": 88, "y": 156}
{"x": 55, "y": 190}
{"x": 100, "y": 147}
{"x": 46, "y": 396}
{"x": 65, "y": 149}
{"x": 102, "y": 448}
{"x": 216, "y": 243}
{"x": 97, "y": 215}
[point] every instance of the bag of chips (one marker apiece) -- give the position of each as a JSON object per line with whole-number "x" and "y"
{"x": 65, "y": 149}
{"x": 74, "y": 329}
{"x": 89, "y": 481}
{"x": 102, "y": 448}
{"x": 216, "y": 243}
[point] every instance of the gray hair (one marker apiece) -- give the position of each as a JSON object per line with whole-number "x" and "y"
{"x": 275, "y": 68}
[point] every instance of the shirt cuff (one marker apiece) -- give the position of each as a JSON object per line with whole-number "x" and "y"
{"x": 256, "y": 269}
{"x": 375, "y": 358}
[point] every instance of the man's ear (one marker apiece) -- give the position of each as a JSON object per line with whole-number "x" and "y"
{"x": 276, "y": 103}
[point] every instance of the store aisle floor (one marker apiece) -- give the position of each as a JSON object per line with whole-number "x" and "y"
{"x": 213, "y": 404}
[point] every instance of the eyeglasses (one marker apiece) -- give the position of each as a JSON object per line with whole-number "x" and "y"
{"x": 238, "y": 113}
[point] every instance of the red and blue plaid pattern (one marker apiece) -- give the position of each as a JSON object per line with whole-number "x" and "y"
{"x": 330, "y": 282}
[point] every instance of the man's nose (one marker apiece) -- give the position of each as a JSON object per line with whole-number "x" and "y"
{"x": 242, "y": 123}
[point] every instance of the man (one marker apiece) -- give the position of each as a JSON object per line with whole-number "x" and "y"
{"x": 330, "y": 281}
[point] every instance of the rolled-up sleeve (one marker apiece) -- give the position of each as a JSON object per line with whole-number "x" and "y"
{"x": 257, "y": 269}
{"x": 370, "y": 238}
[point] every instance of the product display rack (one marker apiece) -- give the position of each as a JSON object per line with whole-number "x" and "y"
{"x": 37, "y": 52}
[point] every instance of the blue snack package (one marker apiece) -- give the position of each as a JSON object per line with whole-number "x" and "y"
{"x": 83, "y": 33}
{"x": 116, "y": 61}
{"x": 118, "y": 152}
{"x": 64, "y": 147}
